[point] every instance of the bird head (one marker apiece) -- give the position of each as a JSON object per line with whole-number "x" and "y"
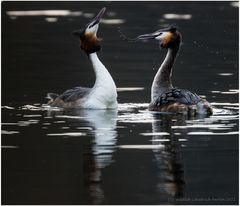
{"x": 168, "y": 37}
{"x": 88, "y": 35}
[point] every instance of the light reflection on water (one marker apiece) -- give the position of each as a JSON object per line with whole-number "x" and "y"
{"x": 129, "y": 156}
{"x": 45, "y": 13}
{"x": 177, "y": 16}
{"x": 102, "y": 126}
{"x": 169, "y": 134}
{"x": 170, "y": 183}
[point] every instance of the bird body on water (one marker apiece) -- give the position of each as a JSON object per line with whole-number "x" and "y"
{"x": 165, "y": 97}
{"x": 103, "y": 95}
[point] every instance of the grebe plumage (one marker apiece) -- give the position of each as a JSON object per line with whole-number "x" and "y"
{"x": 103, "y": 95}
{"x": 164, "y": 97}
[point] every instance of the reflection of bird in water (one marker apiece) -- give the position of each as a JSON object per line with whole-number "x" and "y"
{"x": 103, "y": 144}
{"x": 170, "y": 182}
{"x": 164, "y": 97}
{"x": 98, "y": 153}
{"x": 102, "y": 147}
{"x": 103, "y": 95}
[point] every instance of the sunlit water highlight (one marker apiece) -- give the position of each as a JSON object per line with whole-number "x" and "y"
{"x": 128, "y": 156}
{"x": 127, "y": 113}
{"x": 45, "y": 13}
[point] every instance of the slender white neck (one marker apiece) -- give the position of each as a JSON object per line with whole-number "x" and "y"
{"x": 103, "y": 77}
{"x": 163, "y": 79}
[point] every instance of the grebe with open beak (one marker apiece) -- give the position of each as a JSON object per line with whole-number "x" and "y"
{"x": 103, "y": 95}
{"x": 164, "y": 97}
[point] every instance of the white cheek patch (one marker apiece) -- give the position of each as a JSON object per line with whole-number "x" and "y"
{"x": 163, "y": 36}
{"x": 92, "y": 29}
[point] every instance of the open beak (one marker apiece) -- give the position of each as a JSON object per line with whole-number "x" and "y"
{"x": 155, "y": 35}
{"x": 91, "y": 24}
{"x": 97, "y": 19}
{"x": 147, "y": 36}
{"x": 141, "y": 37}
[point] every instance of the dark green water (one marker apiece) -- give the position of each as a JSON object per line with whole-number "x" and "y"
{"x": 129, "y": 156}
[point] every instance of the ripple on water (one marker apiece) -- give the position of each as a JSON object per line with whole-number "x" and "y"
{"x": 46, "y": 123}
{"x": 7, "y": 107}
{"x": 43, "y": 107}
{"x": 177, "y": 16}
{"x": 154, "y": 133}
{"x": 70, "y": 134}
{"x": 112, "y": 21}
{"x": 69, "y": 117}
{"x": 9, "y": 132}
{"x": 224, "y": 104}
{"x": 131, "y": 106}
{"x": 27, "y": 123}
{"x": 136, "y": 118}
{"x": 225, "y": 74}
{"x": 126, "y": 89}
{"x": 9, "y": 123}
{"x": 59, "y": 122}
{"x": 158, "y": 146}
{"x": 230, "y": 91}
{"x": 182, "y": 140}
{"x": 160, "y": 140}
{"x": 85, "y": 128}
{"x": 133, "y": 113}
{"x": 209, "y": 126}
{"x": 64, "y": 127}
{"x": 33, "y": 115}
{"x": 45, "y": 13}
{"x": 9, "y": 147}
{"x": 212, "y": 133}
{"x": 51, "y": 19}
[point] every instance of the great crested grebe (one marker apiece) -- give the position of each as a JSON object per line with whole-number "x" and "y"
{"x": 103, "y": 95}
{"x": 164, "y": 97}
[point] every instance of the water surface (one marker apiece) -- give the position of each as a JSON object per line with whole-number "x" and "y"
{"x": 129, "y": 156}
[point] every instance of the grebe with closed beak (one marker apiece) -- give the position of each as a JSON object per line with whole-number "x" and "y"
{"x": 164, "y": 97}
{"x": 103, "y": 95}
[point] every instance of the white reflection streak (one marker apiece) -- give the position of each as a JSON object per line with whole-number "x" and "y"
{"x": 71, "y": 134}
{"x": 224, "y": 104}
{"x": 155, "y": 133}
{"x": 211, "y": 133}
{"x": 69, "y": 117}
{"x": 7, "y": 107}
{"x": 9, "y": 132}
{"x": 225, "y": 74}
{"x": 130, "y": 106}
{"x": 143, "y": 117}
{"x": 88, "y": 15}
{"x": 202, "y": 126}
{"x": 182, "y": 140}
{"x": 9, "y": 123}
{"x": 9, "y": 147}
{"x": 141, "y": 146}
{"x": 34, "y": 115}
{"x": 177, "y": 16}
{"x": 51, "y": 19}
{"x": 234, "y": 4}
{"x": 160, "y": 140}
{"x": 45, "y": 13}
{"x": 122, "y": 89}
{"x": 230, "y": 91}
{"x": 112, "y": 21}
